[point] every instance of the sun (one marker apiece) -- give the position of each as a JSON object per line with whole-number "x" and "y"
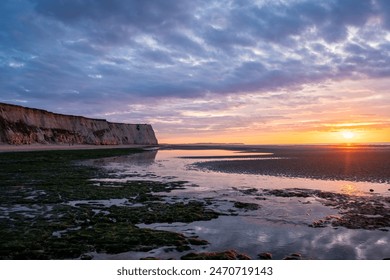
{"x": 348, "y": 134}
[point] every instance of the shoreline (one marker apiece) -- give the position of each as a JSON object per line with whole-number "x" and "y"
{"x": 145, "y": 214}
{"x": 5, "y": 148}
{"x": 359, "y": 165}
{"x": 51, "y": 208}
{"x": 235, "y": 147}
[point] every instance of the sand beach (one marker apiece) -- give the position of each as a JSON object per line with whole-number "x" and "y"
{"x": 63, "y": 147}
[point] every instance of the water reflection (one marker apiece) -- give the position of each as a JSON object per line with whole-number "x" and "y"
{"x": 279, "y": 226}
{"x": 138, "y": 159}
{"x": 172, "y": 164}
{"x": 254, "y": 237}
{"x": 351, "y": 189}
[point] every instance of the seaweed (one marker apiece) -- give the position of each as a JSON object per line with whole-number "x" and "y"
{"x": 51, "y": 209}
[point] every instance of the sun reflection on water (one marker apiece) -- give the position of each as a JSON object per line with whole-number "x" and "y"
{"x": 350, "y": 189}
{"x": 280, "y": 225}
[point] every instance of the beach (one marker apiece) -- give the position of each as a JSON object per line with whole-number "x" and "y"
{"x": 63, "y": 147}
{"x": 324, "y": 218}
{"x": 353, "y": 163}
{"x": 195, "y": 201}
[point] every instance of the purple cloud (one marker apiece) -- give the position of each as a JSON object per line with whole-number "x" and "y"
{"x": 96, "y": 55}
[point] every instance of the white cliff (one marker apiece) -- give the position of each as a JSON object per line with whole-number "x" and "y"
{"x": 20, "y": 125}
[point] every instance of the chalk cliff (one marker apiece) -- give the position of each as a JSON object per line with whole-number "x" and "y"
{"x": 20, "y": 125}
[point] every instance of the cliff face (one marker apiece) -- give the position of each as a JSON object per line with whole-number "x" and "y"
{"x": 20, "y": 125}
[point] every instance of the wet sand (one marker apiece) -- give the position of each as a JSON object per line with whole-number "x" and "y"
{"x": 38, "y": 147}
{"x": 267, "y": 215}
{"x": 256, "y": 216}
{"x": 359, "y": 163}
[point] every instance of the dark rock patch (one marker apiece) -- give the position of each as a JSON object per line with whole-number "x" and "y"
{"x": 226, "y": 255}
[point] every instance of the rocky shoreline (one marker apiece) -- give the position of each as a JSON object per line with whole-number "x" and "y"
{"x": 51, "y": 209}
{"x": 54, "y": 207}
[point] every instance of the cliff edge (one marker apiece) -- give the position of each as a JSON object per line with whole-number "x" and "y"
{"x": 20, "y": 125}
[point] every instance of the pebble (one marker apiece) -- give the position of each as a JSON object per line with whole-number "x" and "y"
{"x": 290, "y": 258}
{"x": 265, "y": 256}
{"x": 293, "y": 256}
{"x": 86, "y": 257}
{"x": 296, "y": 255}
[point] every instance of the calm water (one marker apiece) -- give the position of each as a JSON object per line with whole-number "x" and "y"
{"x": 279, "y": 226}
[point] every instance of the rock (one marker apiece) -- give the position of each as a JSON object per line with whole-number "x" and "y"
{"x": 249, "y": 191}
{"x": 197, "y": 241}
{"x": 371, "y": 190}
{"x": 294, "y": 256}
{"x": 86, "y": 257}
{"x": 183, "y": 248}
{"x": 20, "y": 125}
{"x": 226, "y": 255}
{"x": 265, "y": 256}
{"x": 290, "y": 258}
{"x": 246, "y": 206}
{"x": 319, "y": 223}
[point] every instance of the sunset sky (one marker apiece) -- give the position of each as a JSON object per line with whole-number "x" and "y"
{"x": 255, "y": 72}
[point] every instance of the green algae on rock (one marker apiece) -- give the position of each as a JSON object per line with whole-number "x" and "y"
{"x": 51, "y": 209}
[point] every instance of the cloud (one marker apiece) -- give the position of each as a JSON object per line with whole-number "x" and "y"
{"x": 191, "y": 48}
{"x": 97, "y": 55}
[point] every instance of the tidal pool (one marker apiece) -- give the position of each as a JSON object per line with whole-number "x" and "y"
{"x": 308, "y": 217}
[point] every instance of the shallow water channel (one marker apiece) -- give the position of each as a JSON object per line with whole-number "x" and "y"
{"x": 279, "y": 224}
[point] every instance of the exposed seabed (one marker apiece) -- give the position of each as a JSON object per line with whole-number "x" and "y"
{"x": 196, "y": 202}
{"x": 279, "y": 215}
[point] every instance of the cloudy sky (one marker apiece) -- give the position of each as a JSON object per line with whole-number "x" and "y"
{"x": 252, "y": 71}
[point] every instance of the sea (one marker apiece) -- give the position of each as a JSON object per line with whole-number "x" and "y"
{"x": 286, "y": 216}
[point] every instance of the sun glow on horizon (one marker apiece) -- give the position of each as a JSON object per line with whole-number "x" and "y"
{"x": 339, "y": 133}
{"x": 286, "y": 138}
{"x": 348, "y": 134}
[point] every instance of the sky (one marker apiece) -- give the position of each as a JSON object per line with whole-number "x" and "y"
{"x": 234, "y": 71}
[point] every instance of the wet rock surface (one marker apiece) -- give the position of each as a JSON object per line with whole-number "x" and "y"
{"x": 226, "y": 255}
{"x": 54, "y": 211}
{"x": 246, "y": 206}
{"x": 293, "y": 256}
{"x": 49, "y": 208}
{"x": 265, "y": 256}
{"x": 354, "y": 212}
